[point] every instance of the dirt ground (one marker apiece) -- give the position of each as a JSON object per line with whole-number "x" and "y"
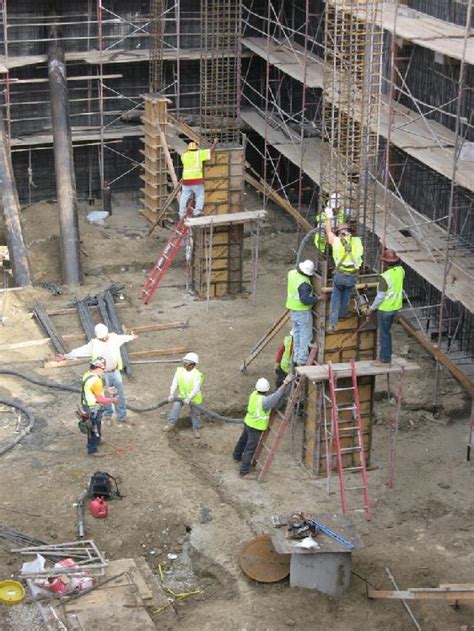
{"x": 183, "y": 496}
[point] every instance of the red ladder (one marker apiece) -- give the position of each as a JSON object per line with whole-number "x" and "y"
{"x": 164, "y": 260}
{"x": 356, "y": 432}
{"x": 278, "y": 423}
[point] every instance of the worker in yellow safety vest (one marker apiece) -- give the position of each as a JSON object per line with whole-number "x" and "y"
{"x": 256, "y": 422}
{"x": 193, "y": 177}
{"x": 387, "y": 303}
{"x": 284, "y": 359}
{"x": 347, "y": 252}
{"x": 187, "y": 384}
{"x": 300, "y": 300}
{"x": 320, "y": 238}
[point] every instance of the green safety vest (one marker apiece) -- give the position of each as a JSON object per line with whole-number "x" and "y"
{"x": 320, "y": 237}
{"x": 87, "y": 395}
{"x": 97, "y": 353}
{"x": 192, "y": 163}
{"x": 347, "y": 253}
{"x": 293, "y": 302}
{"x": 393, "y": 300}
{"x": 256, "y": 416}
{"x": 285, "y": 363}
{"x": 187, "y": 379}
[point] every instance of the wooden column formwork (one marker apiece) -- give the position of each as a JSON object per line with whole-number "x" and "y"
{"x": 155, "y": 176}
{"x": 217, "y": 265}
{"x": 342, "y": 345}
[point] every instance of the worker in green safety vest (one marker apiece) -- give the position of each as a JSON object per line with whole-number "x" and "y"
{"x": 186, "y": 384}
{"x": 300, "y": 300}
{"x": 284, "y": 359}
{"x": 192, "y": 182}
{"x": 256, "y": 422}
{"x": 387, "y": 303}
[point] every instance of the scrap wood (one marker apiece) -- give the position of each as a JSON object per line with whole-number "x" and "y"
{"x": 158, "y": 352}
{"x": 404, "y": 603}
{"x": 449, "y": 592}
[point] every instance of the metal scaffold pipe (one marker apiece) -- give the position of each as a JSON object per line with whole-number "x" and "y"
{"x": 64, "y": 164}
{"x": 12, "y": 214}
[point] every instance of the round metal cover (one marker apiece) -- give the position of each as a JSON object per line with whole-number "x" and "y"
{"x": 260, "y": 561}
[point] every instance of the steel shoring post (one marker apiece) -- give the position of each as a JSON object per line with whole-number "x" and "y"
{"x": 394, "y": 425}
{"x": 457, "y": 148}
{"x": 209, "y": 265}
{"x": 471, "y": 432}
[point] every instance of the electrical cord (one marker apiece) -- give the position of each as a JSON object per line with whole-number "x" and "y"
{"x": 76, "y": 389}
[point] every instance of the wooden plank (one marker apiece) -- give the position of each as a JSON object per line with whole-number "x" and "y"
{"x": 363, "y": 368}
{"x": 217, "y": 220}
{"x": 158, "y": 352}
{"x": 416, "y": 593}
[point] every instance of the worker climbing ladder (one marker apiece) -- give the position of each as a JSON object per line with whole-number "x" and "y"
{"x": 279, "y": 421}
{"x": 166, "y": 258}
{"x": 336, "y": 434}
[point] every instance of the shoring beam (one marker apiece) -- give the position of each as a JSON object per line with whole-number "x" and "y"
{"x": 64, "y": 165}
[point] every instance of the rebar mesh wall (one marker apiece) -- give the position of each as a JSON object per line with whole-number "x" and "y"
{"x": 220, "y": 69}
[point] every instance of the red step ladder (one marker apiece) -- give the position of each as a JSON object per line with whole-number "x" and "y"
{"x": 354, "y": 431}
{"x": 270, "y": 440}
{"x": 165, "y": 259}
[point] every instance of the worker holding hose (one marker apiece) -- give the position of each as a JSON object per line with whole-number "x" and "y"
{"x": 187, "y": 384}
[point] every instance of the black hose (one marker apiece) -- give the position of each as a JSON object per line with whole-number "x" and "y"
{"x": 76, "y": 389}
{"x": 303, "y": 244}
{"x": 26, "y": 430}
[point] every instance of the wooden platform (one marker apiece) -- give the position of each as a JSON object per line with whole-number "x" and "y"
{"x": 363, "y": 368}
{"x": 229, "y": 218}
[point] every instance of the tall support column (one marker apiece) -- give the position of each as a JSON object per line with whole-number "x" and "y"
{"x": 64, "y": 166}
{"x": 12, "y": 214}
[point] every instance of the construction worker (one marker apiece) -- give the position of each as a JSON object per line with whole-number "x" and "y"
{"x": 93, "y": 400}
{"x": 107, "y": 345}
{"x": 256, "y": 422}
{"x": 347, "y": 252}
{"x": 187, "y": 382}
{"x": 193, "y": 177}
{"x": 284, "y": 359}
{"x": 387, "y": 303}
{"x": 300, "y": 300}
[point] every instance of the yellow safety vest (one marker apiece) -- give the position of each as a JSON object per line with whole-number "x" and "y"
{"x": 88, "y": 380}
{"x": 347, "y": 253}
{"x": 256, "y": 416}
{"x": 192, "y": 163}
{"x": 97, "y": 353}
{"x": 187, "y": 379}
{"x": 293, "y": 302}
{"x": 393, "y": 300}
{"x": 320, "y": 237}
{"x": 285, "y": 363}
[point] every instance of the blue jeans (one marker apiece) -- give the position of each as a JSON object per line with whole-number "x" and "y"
{"x": 114, "y": 379}
{"x": 302, "y": 335}
{"x": 342, "y": 286}
{"x": 186, "y": 192}
{"x": 176, "y": 409}
{"x": 385, "y": 320}
{"x": 94, "y": 435}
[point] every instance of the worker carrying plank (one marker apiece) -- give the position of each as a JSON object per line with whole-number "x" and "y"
{"x": 256, "y": 422}
{"x": 300, "y": 300}
{"x": 107, "y": 345}
{"x": 387, "y": 303}
{"x": 347, "y": 252}
{"x": 93, "y": 400}
{"x": 193, "y": 177}
{"x": 284, "y": 359}
{"x": 187, "y": 384}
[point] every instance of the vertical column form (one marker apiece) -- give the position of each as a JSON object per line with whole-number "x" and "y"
{"x": 12, "y": 214}
{"x": 157, "y": 28}
{"x": 64, "y": 165}
{"x": 155, "y": 176}
{"x": 220, "y": 69}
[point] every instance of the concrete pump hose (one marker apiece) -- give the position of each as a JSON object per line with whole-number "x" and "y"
{"x": 76, "y": 389}
{"x": 31, "y": 421}
{"x": 303, "y": 243}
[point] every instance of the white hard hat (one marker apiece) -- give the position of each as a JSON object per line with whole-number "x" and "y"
{"x": 101, "y": 331}
{"x": 292, "y": 332}
{"x": 307, "y": 267}
{"x": 191, "y": 358}
{"x": 262, "y": 385}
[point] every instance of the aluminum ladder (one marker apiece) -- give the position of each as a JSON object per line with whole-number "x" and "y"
{"x": 354, "y": 431}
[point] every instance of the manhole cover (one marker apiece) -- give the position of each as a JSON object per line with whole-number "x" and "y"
{"x": 260, "y": 561}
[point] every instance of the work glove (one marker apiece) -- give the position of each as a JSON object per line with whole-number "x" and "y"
{"x": 187, "y": 401}
{"x": 288, "y": 379}
{"x": 333, "y": 201}
{"x": 329, "y": 212}
{"x": 171, "y": 398}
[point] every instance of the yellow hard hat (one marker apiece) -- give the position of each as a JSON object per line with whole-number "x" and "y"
{"x": 192, "y": 146}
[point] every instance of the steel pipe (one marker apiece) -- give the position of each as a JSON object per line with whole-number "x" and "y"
{"x": 64, "y": 165}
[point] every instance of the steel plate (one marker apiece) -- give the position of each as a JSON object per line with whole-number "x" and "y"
{"x": 260, "y": 561}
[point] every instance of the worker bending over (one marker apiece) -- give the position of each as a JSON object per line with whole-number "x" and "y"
{"x": 107, "y": 345}
{"x": 387, "y": 303}
{"x": 300, "y": 300}
{"x": 187, "y": 383}
{"x": 256, "y": 422}
{"x": 347, "y": 252}
{"x": 193, "y": 177}
{"x": 93, "y": 400}
{"x": 284, "y": 359}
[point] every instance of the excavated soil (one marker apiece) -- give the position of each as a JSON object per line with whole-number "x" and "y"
{"x": 183, "y": 496}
